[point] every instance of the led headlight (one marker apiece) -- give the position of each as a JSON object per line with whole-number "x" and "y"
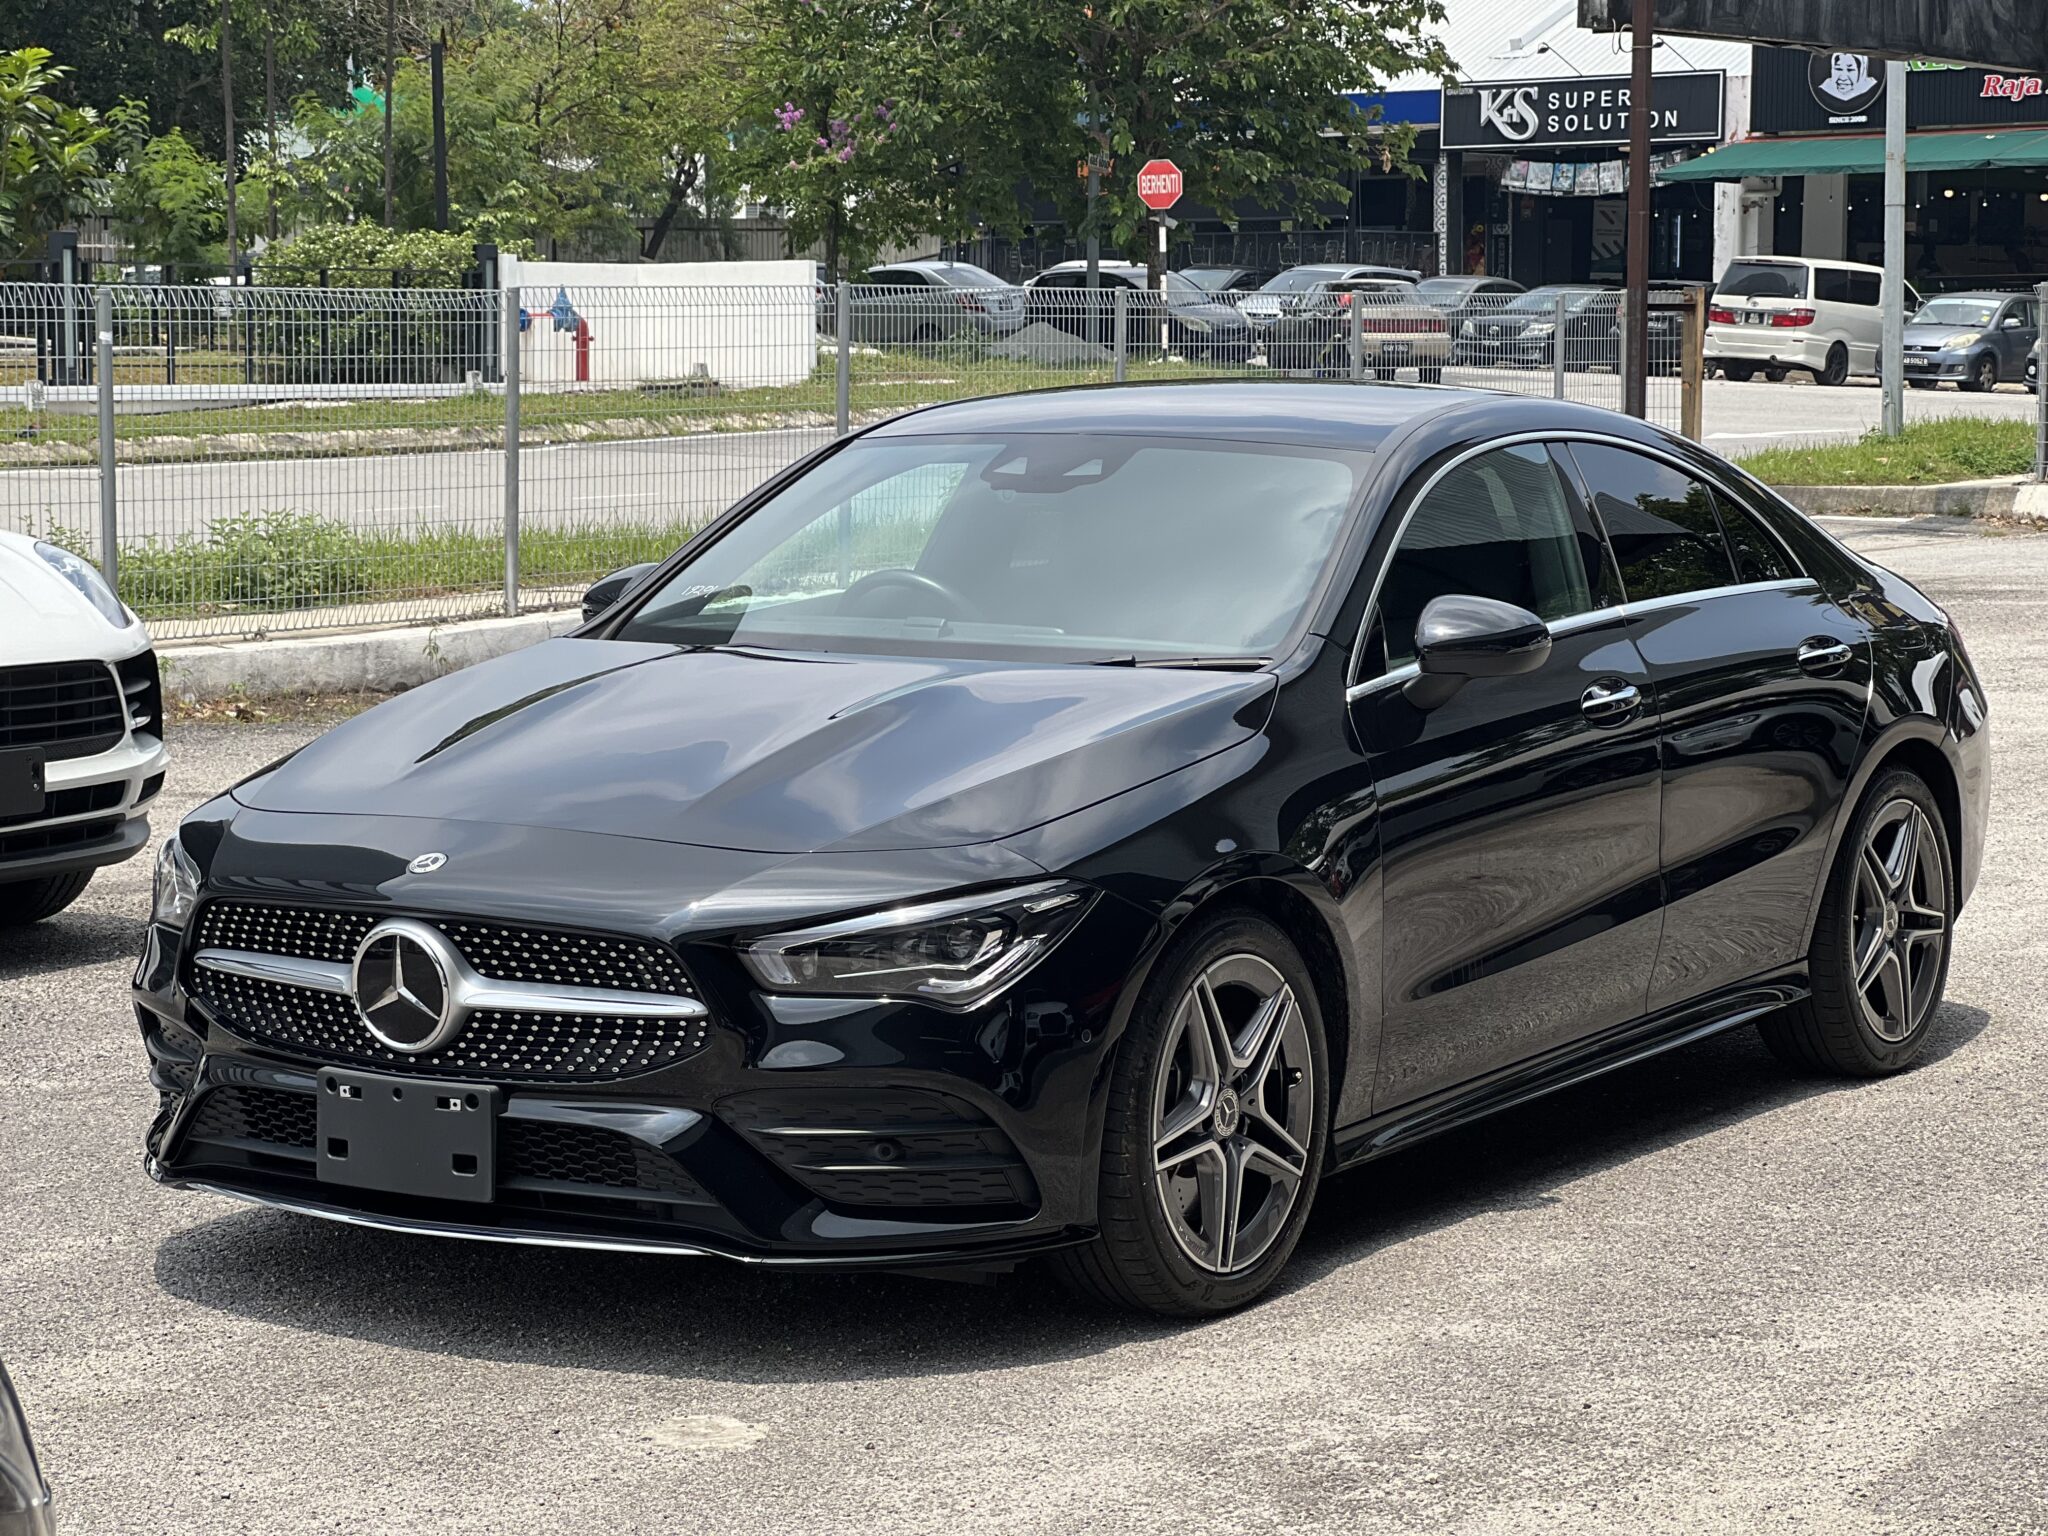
{"x": 956, "y": 953}
{"x": 1540, "y": 328}
{"x": 177, "y": 884}
{"x": 90, "y": 584}
{"x": 1468, "y": 328}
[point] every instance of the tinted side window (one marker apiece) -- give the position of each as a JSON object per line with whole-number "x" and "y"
{"x": 1831, "y": 285}
{"x": 1865, "y": 288}
{"x": 1499, "y": 526}
{"x": 1661, "y": 523}
{"x": 1757, "y": 555}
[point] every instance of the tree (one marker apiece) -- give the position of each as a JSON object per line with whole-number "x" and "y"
{"x": 52, "y": 156}
{"x": 875, "y": 121}
{"x": 167, "y": 202}
{"x": 1246, "y": 96}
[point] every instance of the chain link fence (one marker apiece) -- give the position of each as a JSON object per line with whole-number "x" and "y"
{"x": 262, "y": 460}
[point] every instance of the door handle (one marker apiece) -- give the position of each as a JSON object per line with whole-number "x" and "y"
{"x": 1607, "y": 702}
{"x": 1822, "y": 656}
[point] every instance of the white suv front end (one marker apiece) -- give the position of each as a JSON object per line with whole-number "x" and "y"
{"x": 81, "y": 728}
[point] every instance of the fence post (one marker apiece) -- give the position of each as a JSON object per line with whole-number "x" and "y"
{"x": 1120, "y": 331}
{"x": 103, "y": 376}
{"x": 1692, "y": 367}
{"x": 246, "y": 304}
{"x": 843, "y": 380}
{"x": 1621, "y": 369}
{"x": 1557, "y": 351}
{"x": 1357, "y": 317}
{"x": 511, "y": 354}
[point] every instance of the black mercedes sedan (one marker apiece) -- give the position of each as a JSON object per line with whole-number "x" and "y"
{"x": 1072, "y": 824}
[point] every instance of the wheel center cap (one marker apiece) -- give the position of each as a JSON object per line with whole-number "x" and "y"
{"x": 1228, "y": 1111}
{"x": 1891, "y": 920}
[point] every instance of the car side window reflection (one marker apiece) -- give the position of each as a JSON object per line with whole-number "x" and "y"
{"x": 1499, "y": 526}
{"x": 1757, "y": 555}
{"x": 1660, "y": 521}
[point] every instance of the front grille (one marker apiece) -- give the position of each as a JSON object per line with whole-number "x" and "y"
{"x": 551, "y": 1152}
{"x": 82, "y": 801}
{"x": 887, "y": 1149}
{"x": 72, "y": 708}
{"x": 501, "y": 951}
{"x": 492, "y": 1046}
{"x": 242, "y": 1114}
{"x": 58, "y": 839}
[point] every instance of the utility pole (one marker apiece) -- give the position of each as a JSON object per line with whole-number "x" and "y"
{"x": 1892, "y": 363}
{"x": 390, "y": 83}
{"x": 1094, "y": 191}
{"x": 227, "y": 106}
{"x": 1636, "y": 336}
{"x": 438, "y": 54}
{"x": 270, "y": 121}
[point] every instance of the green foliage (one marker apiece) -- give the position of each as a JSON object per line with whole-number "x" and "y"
{"x": 168, "y": 202}
{"x": 52, "y": 156}
{"x": 1927, "y": 453}
{"x": 364, "y": 255}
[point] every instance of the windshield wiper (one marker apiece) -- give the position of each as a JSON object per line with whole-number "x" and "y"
{"x": 1189, "y": 663}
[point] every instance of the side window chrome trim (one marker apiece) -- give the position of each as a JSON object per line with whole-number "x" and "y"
{"x": 1591, "y": 618}
{"x": 1355, "y": 688}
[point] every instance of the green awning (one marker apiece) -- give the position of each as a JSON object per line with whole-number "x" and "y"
{"x": 1863, "y": 155}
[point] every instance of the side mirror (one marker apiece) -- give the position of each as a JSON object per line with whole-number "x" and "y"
{"x": 1460, "y": 637}
{"x": 602, "y": 594}
{"x": 2012, "y": 322}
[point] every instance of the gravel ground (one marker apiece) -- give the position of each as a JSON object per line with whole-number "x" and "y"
{"x": 1696, "y": 1295}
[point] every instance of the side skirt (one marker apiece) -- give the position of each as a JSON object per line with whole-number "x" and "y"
{"x": 1619, "y": 1047}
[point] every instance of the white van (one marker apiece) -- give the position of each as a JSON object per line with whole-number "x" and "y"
{"x": 1777, "y": 313}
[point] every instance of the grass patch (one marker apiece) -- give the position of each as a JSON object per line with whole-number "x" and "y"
{"x": 277, "y": 561}
{"x": 1929, "y": 453}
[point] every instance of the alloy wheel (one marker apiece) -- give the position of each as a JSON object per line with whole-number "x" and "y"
{"x": 1232, "y": 1113}
{"x": 1898, "y": 935}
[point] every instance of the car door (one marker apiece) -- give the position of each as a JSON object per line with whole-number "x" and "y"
{"x": 1762, "y": 683}
{"x": 2016, "y": 331}
{"x": 1518, "y": 819}
{"x": 883, "y": 305}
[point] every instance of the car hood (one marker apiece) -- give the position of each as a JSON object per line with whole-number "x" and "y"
{"x": 1941, "y": 335}
{"x": 45, "y": 618}
{"x": 766, "y": 752}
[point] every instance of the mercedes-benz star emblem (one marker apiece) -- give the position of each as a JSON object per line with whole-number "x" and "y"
{"x": 426, "y": 863}
{"x": 401, "y": 978}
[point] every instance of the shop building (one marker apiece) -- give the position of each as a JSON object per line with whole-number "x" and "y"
{"x": 1808, "y": 179}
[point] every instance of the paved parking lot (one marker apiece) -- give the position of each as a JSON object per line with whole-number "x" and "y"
{"x": 1697, "y": 1295}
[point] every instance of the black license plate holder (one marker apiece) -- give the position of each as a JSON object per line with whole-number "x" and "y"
{"x": 21, "y": 782}
{"x": 407, "y": 1135}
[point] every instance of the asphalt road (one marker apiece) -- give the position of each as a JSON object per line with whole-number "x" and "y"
{"x": 1699, "y": 1295}
{"x": 690, "y": 479}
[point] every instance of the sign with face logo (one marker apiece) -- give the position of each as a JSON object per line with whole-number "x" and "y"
{"x": 1835, "y": 90}
{"x": 1581, "y": 110}
{"x": 1846, "y": 85}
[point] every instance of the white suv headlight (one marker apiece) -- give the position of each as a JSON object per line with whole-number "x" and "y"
{"x": 956, "y": 953}
{"x": 91, "y": 585}
{"x": 177, "y": 884}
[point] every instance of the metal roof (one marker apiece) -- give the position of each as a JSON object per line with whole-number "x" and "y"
{"x": 1521, "y": 40}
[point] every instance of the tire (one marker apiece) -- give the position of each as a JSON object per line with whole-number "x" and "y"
{"x": 1430, "y": 375}
{"x": 1384, "y": 375}
{"x": 1835, "y": 370}
{"x": 1983, "y": 374}
{"x": 30, "y": 901}
{"x": 1919, "y": 383}
{"x": 1739, "y": 373}
{"x": 1775, "y": 375}
{"x": 1847, "y": 1030}
{"x": 1161, "y": 1246}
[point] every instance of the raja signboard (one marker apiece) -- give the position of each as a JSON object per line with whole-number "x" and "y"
{"x": 1842, "y": 91}
{"x": 2008, "y": 35}
{"x": 1580, "y": 111}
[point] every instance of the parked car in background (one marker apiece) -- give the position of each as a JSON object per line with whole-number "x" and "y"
{"x": 2034, "y": 374}
{"x": 1975, "y": 341}
{"x": 1776, "y": 313}
{"x": 928, "y": 301}
{"x": 1308, "y": 287}
{"x": 81, "y": 728}
{"x": 1460, "y": 299}
{"x": 1396, "y": 330}
{"x": 1230, "y": 279}
{"x": 1198, "y": 323}
{"x": 1525, "y": 333}
{"x": 24, "y": 1496}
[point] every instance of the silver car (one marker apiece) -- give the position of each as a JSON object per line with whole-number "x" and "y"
{"x": 926, "y": 301}
{"x": 1972, "y": 340}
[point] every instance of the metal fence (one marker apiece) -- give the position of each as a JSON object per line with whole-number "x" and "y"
{"x": 261, "y": 460}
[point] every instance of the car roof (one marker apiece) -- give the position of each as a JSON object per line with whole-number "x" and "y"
{"x": 2000, "y": 294}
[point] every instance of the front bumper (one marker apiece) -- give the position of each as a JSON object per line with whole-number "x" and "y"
{"x": 97, "y": 811}
{"x": 804, "y": 1131}
{"x": 1952, "y": 366}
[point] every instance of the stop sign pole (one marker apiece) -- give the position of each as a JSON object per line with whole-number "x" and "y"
{"x": 1159, "y": 188}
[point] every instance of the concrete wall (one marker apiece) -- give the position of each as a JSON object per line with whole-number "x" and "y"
{"x": 743, "y": 324}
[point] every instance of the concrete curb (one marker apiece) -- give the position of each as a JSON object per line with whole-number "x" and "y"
{"x": 382, "y": 661}
{"x": 2007, "y": 500}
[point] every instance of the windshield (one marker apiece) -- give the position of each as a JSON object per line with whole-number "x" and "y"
{"x": 1047, "y": 547}
{"x": 1298, "y": 278}
{"x": 1546, "y": 298}
{"x": 1977, "y": 313}
{"x": 968, "y": 277}
{"x": 1763, "y": 280}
